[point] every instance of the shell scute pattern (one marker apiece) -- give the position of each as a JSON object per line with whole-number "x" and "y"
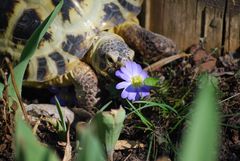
{"x": 113, "y": 13}
{"x": 25, "y": 26}
{"x": 42, "y": 68}
{"x": 59, "y": 60}
{"x": 66, "y": 9}
{"x": 74, "y": 45}
{"x": 130, "y": 7}
{"x": 6, "y": 10}
{"x": 68, "y": 38}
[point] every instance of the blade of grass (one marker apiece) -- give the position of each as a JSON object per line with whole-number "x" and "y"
{"x": 29, "y": 50}
{"x": 139, "y": 114}
{"x": 62, "y": 121}
{"x": 2, "y": 84}
{"x": 201, "y": 140}
{"x": 156, "y": 104}
{"x": 105, "y": 106}
{"x": 231, "y": 126}
{"x": 231, "y": 115}
{"x": 180, "y": 120}
{"x": 1, "y": 90}
{"x": 150, "y": 148}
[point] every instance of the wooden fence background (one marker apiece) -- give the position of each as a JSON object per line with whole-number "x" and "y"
{"x": 185, "y": 21}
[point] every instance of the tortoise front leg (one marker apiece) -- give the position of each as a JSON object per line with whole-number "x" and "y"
{"x": 86, "y": 85}
{"x": 150, "y": 45}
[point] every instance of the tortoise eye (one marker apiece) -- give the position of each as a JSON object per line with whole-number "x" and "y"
{"x": 110, "y": 59}
{"x": 102, "y": 65}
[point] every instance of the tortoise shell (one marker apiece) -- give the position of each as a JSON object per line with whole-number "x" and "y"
{"x": 68, "y": 38}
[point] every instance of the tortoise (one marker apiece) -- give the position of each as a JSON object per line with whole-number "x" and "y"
{"x": 86, "y": 39}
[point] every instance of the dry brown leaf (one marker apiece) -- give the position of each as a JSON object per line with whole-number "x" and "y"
{"x": 68, "y": 148}
{"x": 205, "y": 61}
{"x": 128, "y": 144}
{"x": 164, "y": 158}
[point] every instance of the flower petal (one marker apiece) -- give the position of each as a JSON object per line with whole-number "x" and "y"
{"x": 131, "y": 89}
{"x": 134, "y": 68}
{"x": 137, "y": 97}
{"x": 132, "y": 96}
{"x": 137, "y": 69}
{"x": 122, "y": 75}
{"x": 130, "y": 93}
{"x": 144, "y": 94}
{"x": 145, "y": 89}
{"x": 129, "y": 66}
{"x": 123, "y": 85}
{"x": 124, "y": 94}
{"x": 126, "y": 71}
{"x": 144, "y": 74}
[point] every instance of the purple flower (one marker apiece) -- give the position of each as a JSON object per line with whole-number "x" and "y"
{"x": 133, "y": 84}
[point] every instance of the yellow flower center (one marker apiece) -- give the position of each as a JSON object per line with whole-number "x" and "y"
{"x": 137, "y": 81}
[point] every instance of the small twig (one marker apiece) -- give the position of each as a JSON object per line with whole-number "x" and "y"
{"x": 165, "y": 61}
{"x": 229, "y": 98}
{"x": 35, "y": 127}
{"x": 128, "y": 156}
{"x": 5, "y": 94}
{"x": 16, "y": 91}
{"x": 234, "y": 2}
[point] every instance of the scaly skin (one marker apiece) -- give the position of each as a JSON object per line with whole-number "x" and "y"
{"x": 86, "y": 85}
{"x": 109, "y": 52}
{"x": 145, "y": 42}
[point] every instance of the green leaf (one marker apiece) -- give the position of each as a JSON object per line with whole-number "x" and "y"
{"x": 29, "y": 50}
{"x": 102, "y": 133}
{"x": 1, "y": 90}
{"x": 90, "y": 148}
{"x": 62, "y": 122}
{"x": 150, "y": 81}
{"x": 27, "y": 146}
{"x": 201, "y": 140}
{"x": 108, "y": 126}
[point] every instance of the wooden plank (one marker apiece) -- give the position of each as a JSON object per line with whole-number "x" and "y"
{"x": 186, "y": 21}
{"x": 232, "y": 35}
{"x": 214, "y": 25}
{"x": 175, "y": 19}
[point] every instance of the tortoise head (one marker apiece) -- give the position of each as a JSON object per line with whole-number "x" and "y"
{"x": 109, "y": 53}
